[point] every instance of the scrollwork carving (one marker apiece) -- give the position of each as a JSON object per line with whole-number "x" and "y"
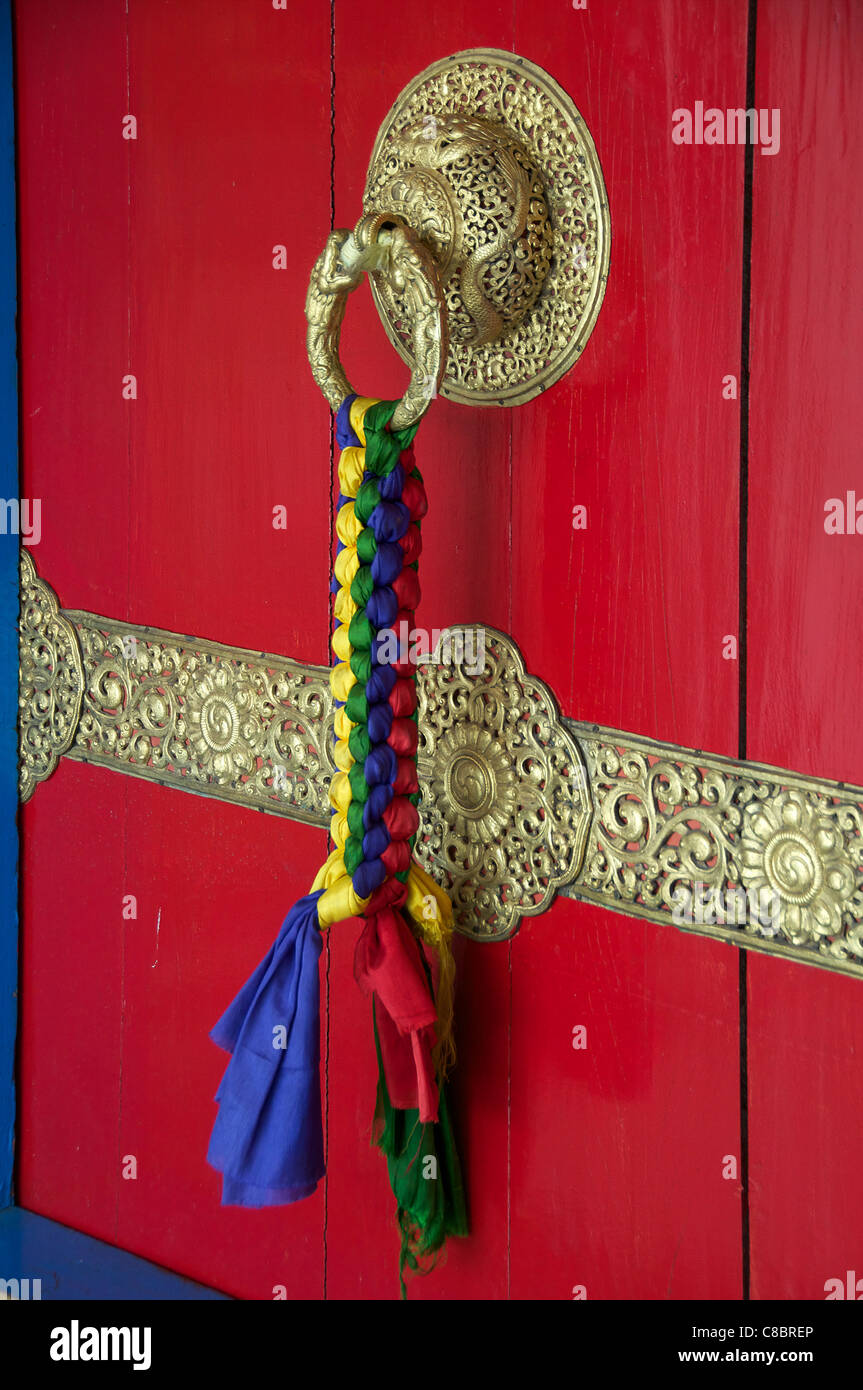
{"x": 50, "y": 680}
{"x": 673, "y": 826}
{"x": 505, "y": 804}
{"x": 247, "y": 728}
{"x": 487, "y": 158}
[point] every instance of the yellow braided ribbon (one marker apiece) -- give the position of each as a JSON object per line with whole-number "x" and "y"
{"x": 427, "y": 906}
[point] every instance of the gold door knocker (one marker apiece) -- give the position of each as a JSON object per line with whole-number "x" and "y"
{"x": 388, "y": 249}
{"x": 485, "y": 234}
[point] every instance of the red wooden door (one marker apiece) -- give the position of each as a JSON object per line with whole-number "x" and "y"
{"x": 604, "y": 1168}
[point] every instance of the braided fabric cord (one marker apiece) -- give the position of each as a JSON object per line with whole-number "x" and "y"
{"x": 267, "y": 1140}
{"x": 375, "y": 792}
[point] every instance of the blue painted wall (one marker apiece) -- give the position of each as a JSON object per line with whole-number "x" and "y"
{"x": 8, "y": 616}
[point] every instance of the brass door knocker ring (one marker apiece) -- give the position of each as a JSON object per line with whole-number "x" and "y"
{"x": 385, "y": 247}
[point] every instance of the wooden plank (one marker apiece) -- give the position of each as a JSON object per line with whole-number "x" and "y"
{"x": 805, "y": 1027}
{"x": 154, "y": 257}
{"x": 196, "y": 939}
{"x": 618, "y": 1147}
{"x": 73, "y": 238}
{"x": 224, "y": 430}
{"x": 232, "y": 160}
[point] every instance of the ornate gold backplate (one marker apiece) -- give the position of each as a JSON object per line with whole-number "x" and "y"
{"x": 50, "y": 680}
{"x": 489, "y": 162}
{"x": 517, "y": 805}
{"x": 505, "y": 805}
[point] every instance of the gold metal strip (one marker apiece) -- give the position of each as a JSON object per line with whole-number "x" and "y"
{"x": 50, "y": 680}
{"x": 742, "y": 852}
{"x": 517, "y": 804}
{"x": 243, "y": 726}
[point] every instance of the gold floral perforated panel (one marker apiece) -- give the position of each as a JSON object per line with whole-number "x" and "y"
{"x": 518, "y": 803}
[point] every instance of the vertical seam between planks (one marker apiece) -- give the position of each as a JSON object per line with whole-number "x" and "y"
{"x": 128, "y": 97}
{"x": 509, "y": 943}
{"x": 330, "y": 549}
{"x": 509, "y": 1129}
{"x": 17, "y": 908}
{"x": 513, "y": 32}
{"x": 742, "y": 621}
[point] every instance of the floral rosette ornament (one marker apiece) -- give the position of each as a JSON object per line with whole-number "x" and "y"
{"x": 267, "y": 1140}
